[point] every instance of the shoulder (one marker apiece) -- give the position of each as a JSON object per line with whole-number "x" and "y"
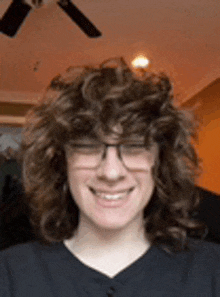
{"x": 23, "y": 267}
{"x": 20, "y": 253}
{"x": 13, "y": 261}
{"x": 195, "y": 272}
{"x": 24, "y": 254}
{"x": 198, "y": 265}
{"x": 200, "y": 248}
{"x": 200, "y": 256}
{"x": 21, "y": 258}
{"x": 203, "y": 265}
{"x": 208, "y": 254}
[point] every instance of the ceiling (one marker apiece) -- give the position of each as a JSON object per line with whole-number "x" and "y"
{"x": 179, "y": 37}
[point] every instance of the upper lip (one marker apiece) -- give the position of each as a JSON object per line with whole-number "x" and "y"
{"x": 111, "y": 192}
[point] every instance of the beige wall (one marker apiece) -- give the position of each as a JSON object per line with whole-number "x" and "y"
{"x": 14, "y": 106}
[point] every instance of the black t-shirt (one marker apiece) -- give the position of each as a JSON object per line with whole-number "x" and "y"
{"x": 34, "y": 270}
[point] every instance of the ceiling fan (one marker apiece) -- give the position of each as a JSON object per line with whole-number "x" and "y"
{"x": 19, "y": 10}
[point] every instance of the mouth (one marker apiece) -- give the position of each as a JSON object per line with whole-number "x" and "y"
{"x": 113, "y": 195}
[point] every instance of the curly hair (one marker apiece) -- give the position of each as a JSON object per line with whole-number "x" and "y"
{"x": 91, "y": 100}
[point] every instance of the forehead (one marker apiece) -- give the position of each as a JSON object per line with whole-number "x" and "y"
{"x": 117, "y": 135}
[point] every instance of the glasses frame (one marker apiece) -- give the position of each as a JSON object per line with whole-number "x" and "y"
{"x": 106, "y": 145}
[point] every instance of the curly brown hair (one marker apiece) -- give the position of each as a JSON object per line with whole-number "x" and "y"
{"x": 91, "y": 100}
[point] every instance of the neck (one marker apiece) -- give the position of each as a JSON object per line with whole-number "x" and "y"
{"x": 89, "y": 239}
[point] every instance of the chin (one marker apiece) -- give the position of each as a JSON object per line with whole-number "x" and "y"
{"x": 113, "y": 224}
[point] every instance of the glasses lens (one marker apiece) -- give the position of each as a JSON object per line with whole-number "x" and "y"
{"x": 87, "y": 155}
{"x": 136, "y": 156}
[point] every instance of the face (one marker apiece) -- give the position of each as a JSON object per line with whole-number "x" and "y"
{"x": 111, "y": 196}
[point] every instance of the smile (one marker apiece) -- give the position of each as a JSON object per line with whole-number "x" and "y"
{"x": 119, "y": 195}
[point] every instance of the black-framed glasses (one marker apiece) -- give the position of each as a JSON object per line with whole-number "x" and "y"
{"x": 90, "y": 155}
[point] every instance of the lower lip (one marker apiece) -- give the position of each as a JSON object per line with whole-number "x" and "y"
{"x": 113, "y": 203}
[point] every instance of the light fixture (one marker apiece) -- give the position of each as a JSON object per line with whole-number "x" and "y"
{"x": 140, "y": 65}
{"x": 79, "y": 18}
{"x": 19, "y": 10}
{"x": 140, "y": 62}
{"x": 14, "y": 17}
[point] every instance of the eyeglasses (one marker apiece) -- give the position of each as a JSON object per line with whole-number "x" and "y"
{"x": 132, "y": 155}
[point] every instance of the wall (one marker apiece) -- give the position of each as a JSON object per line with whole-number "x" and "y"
{"x": 207, "y": 109}
{"x": 14, "y": 106}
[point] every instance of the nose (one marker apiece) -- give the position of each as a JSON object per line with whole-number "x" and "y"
{"x": 111, "y": 168}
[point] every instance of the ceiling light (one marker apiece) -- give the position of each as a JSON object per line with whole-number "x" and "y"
{"x": 140, "y": 62}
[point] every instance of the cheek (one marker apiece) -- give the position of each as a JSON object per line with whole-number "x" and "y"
{"x": 147, "y": 184}
{"x": 74, "y": 181}
{"x": 77, "y": 181}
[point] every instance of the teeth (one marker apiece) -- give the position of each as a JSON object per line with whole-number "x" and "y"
{"x": 111, "y": 196}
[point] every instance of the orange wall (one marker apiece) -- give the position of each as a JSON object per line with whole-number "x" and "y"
{"x": 207, "y": 110}
{"x": 209, "y": 151}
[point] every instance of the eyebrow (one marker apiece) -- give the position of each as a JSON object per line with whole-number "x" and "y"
{"x": 88, "y": 139}
{"x": 92, "y": 141}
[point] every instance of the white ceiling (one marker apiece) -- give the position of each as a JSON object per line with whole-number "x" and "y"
{"x": 179, "y": 37}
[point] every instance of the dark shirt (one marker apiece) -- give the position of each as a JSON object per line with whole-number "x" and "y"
{"x": 34, "y": 270}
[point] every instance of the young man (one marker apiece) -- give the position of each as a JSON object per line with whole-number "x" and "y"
{"x": 109, "y": 171}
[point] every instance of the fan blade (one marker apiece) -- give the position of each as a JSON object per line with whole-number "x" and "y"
{"x": 14, "y": 17}
{"x": 81, "y": 20}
